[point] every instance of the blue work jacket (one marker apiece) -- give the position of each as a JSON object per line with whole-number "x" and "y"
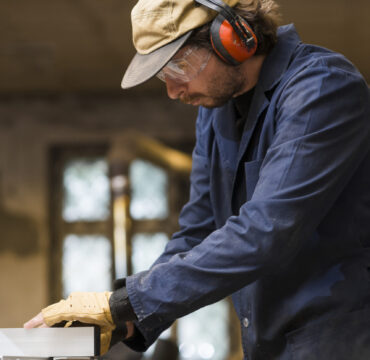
{"x": 279, "y": 219}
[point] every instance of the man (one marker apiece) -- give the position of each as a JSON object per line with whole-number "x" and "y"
{"x": 279, "y": 208}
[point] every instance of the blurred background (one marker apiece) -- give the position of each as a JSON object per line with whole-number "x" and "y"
{"x": 92, "y": 178}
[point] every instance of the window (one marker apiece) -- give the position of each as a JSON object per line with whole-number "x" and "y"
{"x": 86, "y": 263}
{"x": 86, "y": 190}
{"x": 146, "y": 248}
{"x": 149, "y": 184}
{"x": 204, "y": 333}
{"x": 81, "y": 214}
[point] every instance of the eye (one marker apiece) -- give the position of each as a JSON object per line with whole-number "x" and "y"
{"x": 180, "y": 66}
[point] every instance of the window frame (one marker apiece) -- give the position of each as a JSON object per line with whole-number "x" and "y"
{"x": 59, "y": 156}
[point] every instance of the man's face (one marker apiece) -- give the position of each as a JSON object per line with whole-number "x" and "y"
{"x": 211, "y": 85}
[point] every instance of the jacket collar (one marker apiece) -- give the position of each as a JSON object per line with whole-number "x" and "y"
{"x": 277, "y": 61}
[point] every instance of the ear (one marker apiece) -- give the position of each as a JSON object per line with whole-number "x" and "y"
{"x": 227, "y": 44}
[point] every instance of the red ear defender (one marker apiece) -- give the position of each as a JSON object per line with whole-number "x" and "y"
{"x": 228, "y": 45}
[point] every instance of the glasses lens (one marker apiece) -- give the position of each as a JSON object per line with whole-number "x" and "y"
{"x": 161, "y": 76}
{"x": 187, "y": 66}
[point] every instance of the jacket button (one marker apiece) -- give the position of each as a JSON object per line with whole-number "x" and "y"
{"x": 245, "y": 322}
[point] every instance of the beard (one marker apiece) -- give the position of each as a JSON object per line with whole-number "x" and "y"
{"x": 220, "y": 88}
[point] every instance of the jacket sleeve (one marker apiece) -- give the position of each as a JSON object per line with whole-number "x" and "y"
{"x": 322, "y": 135}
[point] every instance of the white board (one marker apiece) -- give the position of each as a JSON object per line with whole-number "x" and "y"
{"x": 47, "y": 342}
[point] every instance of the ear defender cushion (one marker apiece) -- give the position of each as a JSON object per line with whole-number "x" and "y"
{"x": 227, "y": 44}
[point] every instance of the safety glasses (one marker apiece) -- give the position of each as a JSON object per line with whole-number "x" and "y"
{"x": 185, "y": 66}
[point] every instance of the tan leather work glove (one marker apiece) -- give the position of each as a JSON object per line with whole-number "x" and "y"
{"x": 86, "y": 307}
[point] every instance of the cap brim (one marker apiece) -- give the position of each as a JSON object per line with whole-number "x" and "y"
{"x": 144, "y": 67}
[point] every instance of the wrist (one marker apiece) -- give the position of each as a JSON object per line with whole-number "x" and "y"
{"x": 130, "y": 330}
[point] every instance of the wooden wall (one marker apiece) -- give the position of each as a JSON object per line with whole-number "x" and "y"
{"x": 85, "y": 45}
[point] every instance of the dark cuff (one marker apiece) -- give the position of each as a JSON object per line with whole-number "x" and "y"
{"x": 121, "y": 308}
{"x": 136, "y": 342}
{"x": 122, "y": 311}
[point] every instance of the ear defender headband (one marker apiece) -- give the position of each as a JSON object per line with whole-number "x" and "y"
{"x": 232, "y": 38}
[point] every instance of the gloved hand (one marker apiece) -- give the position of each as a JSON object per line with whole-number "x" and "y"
{"x": 86, "y": 307}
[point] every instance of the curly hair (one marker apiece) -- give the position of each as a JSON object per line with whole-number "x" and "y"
{"x": 262, "y": 15}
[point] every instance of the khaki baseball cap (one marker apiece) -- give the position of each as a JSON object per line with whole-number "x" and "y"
{"x": 159, "y": 29}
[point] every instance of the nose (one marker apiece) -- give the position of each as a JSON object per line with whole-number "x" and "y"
{"x": 175, "y": 89}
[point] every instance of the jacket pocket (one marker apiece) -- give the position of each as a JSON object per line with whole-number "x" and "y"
{"x": 345, "y": 337}
{"x": 252, "y": 173}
